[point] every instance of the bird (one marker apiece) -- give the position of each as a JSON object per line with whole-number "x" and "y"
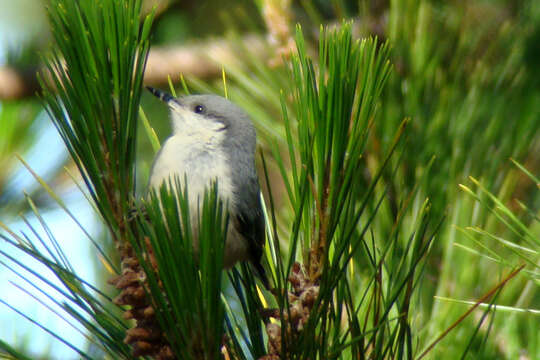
{"x": 214, "y": 139}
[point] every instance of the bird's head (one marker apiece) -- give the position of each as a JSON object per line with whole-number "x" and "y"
{"x": 209, "y": 117}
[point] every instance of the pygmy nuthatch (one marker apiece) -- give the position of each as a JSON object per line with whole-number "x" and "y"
{"x": 213, "y": 139}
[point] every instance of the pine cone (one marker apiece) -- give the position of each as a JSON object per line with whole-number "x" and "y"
{"x": 146, "y": 337}
{"x": 301, "y": 301}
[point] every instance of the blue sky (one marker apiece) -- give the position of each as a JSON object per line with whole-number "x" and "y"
{"x": 19, "y": 21}
{"x": 48, "y": 151}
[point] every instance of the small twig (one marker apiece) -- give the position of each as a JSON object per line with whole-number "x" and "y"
{"x": 319, "y": 247}
{"x": 312, "y": 259}
{"x": 483, "y": 299}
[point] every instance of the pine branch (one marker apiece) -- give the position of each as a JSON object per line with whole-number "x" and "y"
{"x": 201, "y": 60}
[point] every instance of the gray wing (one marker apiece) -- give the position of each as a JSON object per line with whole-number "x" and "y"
{"x": 249, "y": 222}
{"x": 248, "y": 217}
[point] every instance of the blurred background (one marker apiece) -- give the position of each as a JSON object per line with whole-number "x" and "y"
{"x": 467, "y": 74}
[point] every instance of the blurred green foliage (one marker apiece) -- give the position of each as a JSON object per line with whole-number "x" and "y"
{"x": 467, "y": 76}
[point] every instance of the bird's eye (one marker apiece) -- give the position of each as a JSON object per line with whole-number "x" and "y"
{"x": 198, "y": 109}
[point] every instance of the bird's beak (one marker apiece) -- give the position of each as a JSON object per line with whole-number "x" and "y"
{"x": 163, "y": 96}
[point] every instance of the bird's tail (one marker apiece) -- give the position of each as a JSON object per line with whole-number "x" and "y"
{"x": 261, "y": 273}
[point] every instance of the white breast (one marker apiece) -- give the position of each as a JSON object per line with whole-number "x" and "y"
{"x": 200, "y": 163}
